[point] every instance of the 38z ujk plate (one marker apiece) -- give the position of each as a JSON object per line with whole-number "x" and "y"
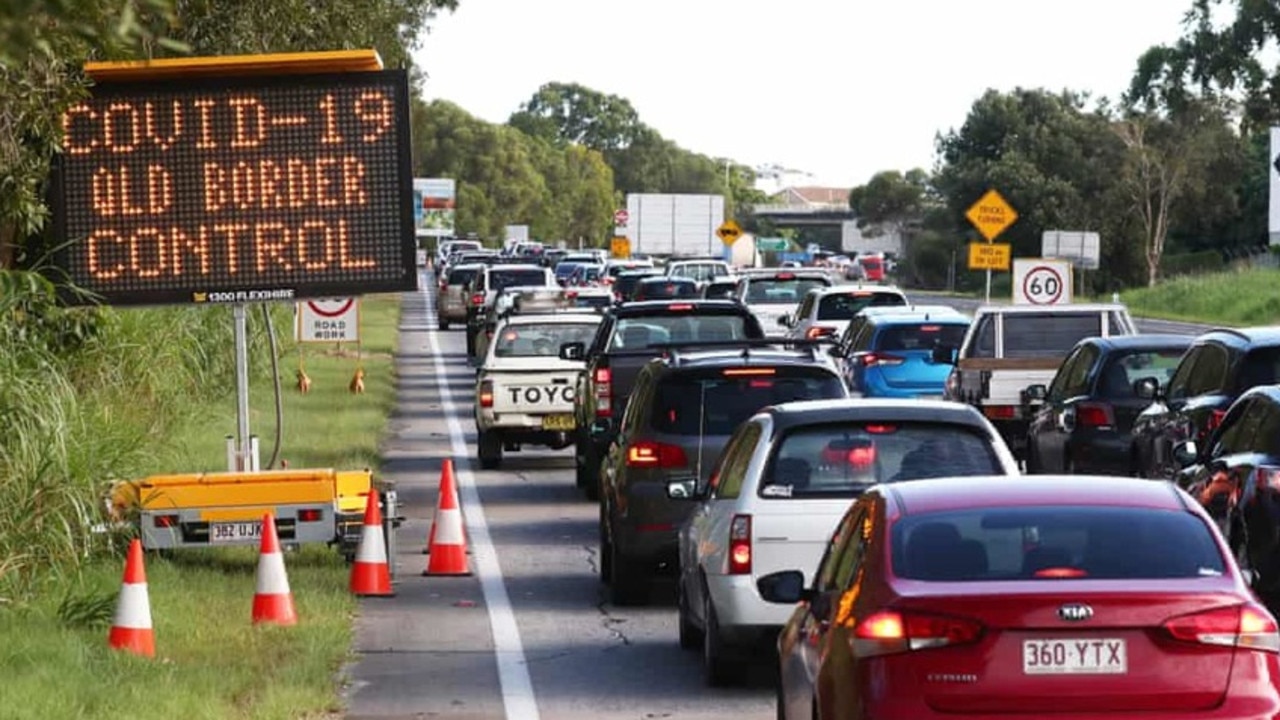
{"x": 1075, "y": 656}
{"x": 233, "y": 532}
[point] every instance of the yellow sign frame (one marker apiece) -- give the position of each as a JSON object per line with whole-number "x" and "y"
{"x": 729, "y": 232}
{"x": 991, "y": 215}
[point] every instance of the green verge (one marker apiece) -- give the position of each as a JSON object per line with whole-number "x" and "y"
{"x": 1249, "y": 297}
{"x": 211, "y": 662}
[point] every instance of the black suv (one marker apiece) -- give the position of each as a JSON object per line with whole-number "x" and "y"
{"x": 1218, "y": 367}
{"x": 683, "y": 409}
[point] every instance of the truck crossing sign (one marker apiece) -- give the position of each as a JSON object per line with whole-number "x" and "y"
{"x": 729, "y": 232}
{"x": 991, "y": 215}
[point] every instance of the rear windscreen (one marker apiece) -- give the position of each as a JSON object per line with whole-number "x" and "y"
{"x": 1038, "y": 335}
{"x": 716, "y": 403}
{"x": 637, "y": 333}
{"x": 843, "y": 459}
{"x": 719, "y": 291}
{"x": 772, "y": 291}
{"x": 499, "y": 279}
{"x": 1261, "y": 367}
{"x": 1054, "y": 543}
{"x": 461, "y": 277}
{"x": 1124, "y": 369}
{"x": 924, "y": 336}
{"x": 534, "y": 340}
{"x": 665, "y": 290}
{"x": 843, "y": 306}
{"x": 626, "y": 283}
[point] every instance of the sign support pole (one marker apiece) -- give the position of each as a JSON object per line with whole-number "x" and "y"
{"x": 245, "y": 457}
{"x": 988, "y": 285}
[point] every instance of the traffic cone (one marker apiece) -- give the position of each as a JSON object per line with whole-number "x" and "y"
{"x": 446, "y": 480}
{"x": 448, "y": 545}
{"x": 370, "y": 573}
{"x": 273, "y": 601}
{"x": 131, "y": 629}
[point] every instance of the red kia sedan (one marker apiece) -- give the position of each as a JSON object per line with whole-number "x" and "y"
{"x": 1065, "y": 597}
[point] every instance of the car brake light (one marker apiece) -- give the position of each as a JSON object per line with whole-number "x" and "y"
{"x": 785, "y": 276}
{"x": 1000, "y": 412}
{"x": 477, "y": 299}
{"x": 740, "y": 545}
{"x": 818, "y": 331}
{"x": 739, "y": 372}
{"x": 602, "y": 385}
{"x": 881, "y": 429}
{"x": 1215, "y": 418}
{"x": 486, "y": 394}
{"x": 892, "y": 631}
{"x": 1094, "y": 415}
{"x": 869, "y": 359}
{"x": 930, "y": 328}
{"x": 647, "y": 453}
{"x": 310, "y": 515}
{"x": 680, "y": 306}
{"x": 1243, "y": 626}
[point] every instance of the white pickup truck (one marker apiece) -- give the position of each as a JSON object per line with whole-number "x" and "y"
{"x": 1011, "y": 347}
{"x": 524, "y": 390}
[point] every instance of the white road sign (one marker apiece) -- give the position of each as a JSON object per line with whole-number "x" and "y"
{"x": 333, "y": 320}
{"x": 1273, "y": 224}
{"x": 1041, "y": 281}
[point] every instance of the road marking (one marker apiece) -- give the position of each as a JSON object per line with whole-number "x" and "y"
{"x": 513, "y": 671}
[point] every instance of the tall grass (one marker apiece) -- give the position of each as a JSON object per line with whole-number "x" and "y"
{"x": 1247, "y": 297}
{"x": 84, "y": 393}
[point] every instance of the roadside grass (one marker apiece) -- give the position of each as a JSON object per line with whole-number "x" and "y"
{"x": 211, "y": 662}
{"x": 1248, "y": 297}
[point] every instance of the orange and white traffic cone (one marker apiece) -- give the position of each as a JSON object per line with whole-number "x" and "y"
{"x": 446, "y": 481}
{"x": 448, "y": 546}
{"x": 273, "y": 601}
{"x": 370, "y": 573}
{"x": 131, "y": 629}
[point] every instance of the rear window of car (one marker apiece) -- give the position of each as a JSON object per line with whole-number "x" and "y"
{"x": 1261, "y": 367}
{"x": 716, "y": 402}
{"x": 780, "y": 291}
{"x": 540, "y": 340}
{"x": 637, "y": 333}
{"x": 499, "y": 279}
{"x": 843, "y": 306}
{"x": 461, "y": 277}
{"x": 663, "y": 288}
{"x": 922, "y": 336}
{"x": 1123, "y": 369}
{"x": 625, "y": 282}
{"x": 719, "y": 291}
{"x": 843, "y": 459}
{"x": 699, "y": 272}
{"x": 1046, "y": 543}
{"x": 1039, "y": 335}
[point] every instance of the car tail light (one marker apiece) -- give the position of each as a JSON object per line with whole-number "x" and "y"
{"x": 740, "y": 545}
{"x": 165, "y": 521}
{"x": 1094, "y": 415}
{"x": 1215, "y": 418}
{"x": 892, "y": 631}
{"x": 1000, "y": 412}
{"x": 818, "y": 331}
{"x": 647, "y": 453}
{"x": 486, "y": 394}
{"x": 602, "y": 385}
{"x": 1243, "y": 626}
{"x": 785, "y": 276}
{"x": 477, "y": 299}
{"x": 740, "y": 372}
{"x": 680, "y": 306}
{"x": 881, "y": 429}
{"x": 870, "y": 359}
{"x": 310, "y": 515}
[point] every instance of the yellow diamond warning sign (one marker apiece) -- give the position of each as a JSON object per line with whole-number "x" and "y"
{"x": 991, "y": 215}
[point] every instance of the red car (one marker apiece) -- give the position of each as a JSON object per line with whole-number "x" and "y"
{"x": 1013, "y": 597}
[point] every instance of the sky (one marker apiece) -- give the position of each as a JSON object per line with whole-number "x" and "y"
{"x": 839, "y": 89}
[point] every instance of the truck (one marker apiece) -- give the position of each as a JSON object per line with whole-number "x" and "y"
{"x": 215, "y": 509}
{"x": 673, "y": 225}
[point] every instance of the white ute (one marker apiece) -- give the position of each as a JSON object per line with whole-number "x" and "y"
{"x": 524, "y": 390}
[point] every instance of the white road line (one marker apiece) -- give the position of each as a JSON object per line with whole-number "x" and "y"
{"x": 513, "y": 670}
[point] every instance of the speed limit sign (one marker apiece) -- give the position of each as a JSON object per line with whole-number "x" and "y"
{"x": 1040, "y": 281}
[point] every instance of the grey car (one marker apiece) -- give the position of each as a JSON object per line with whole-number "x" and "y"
{"x": 679, "y": 416}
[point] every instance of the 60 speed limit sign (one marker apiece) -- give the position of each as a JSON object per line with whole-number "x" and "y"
{"x": 1040, "y": 281}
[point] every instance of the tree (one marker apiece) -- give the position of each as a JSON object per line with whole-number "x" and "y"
{"x": 890, "y": 201}
{"x": 565, "y": 113}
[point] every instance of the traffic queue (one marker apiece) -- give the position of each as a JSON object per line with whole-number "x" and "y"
{"x": 918, "y": 512}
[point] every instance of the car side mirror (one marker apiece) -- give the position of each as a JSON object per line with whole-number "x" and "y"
{"x": 785, "y": 587}
{"x": 683, "y": 490}
{"x": 1035, "y": 393}
{"x": 573, "y": 351}
{"x": 1185, "y": 453}
{"x": 943, "y": 355}
{"x": 785, "y": 321}
{"x": 1147, "y": 388}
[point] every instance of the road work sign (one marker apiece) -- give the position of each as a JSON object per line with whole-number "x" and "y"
{"x": 334, "y": 320}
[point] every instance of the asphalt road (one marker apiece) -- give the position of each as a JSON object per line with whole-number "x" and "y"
{"x": 528, "y": 635}
{"x": 1146, "y": 325}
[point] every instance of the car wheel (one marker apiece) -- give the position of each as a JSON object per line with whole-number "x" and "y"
{"x": 690, "y": 634}
{"x": 580, "y": 477}
{"x": 489, "y": 450}
{"x": 606, "y": 552}
{"x": 629, "y": 585}
{"x": 718, "y": 671}
{"x": 591, "y": 474}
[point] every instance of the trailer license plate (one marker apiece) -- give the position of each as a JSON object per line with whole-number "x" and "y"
{"x": 557, "y": 422}
{"x": 232, "y": 532}
{"x": 1075, "y": 656}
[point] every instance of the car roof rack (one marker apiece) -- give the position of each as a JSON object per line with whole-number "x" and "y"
{"x": 672, "y": 350}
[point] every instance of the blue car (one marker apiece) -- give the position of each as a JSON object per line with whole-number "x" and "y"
{"x": 892, "y": 354}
